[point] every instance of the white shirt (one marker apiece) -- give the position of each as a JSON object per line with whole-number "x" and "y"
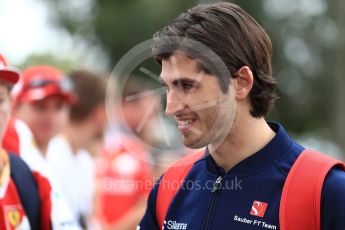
{"x": 75, "y": 174}
{"x": 61, "y": 216}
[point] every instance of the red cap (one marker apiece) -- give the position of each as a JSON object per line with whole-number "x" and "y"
{"x": 7, "y": 73}
{"x": 40, "y": 82}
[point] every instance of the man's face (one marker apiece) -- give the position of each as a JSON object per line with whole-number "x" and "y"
{"x": 5, "y": 108}
{"x": 45, "y": 117}
{"x": 204, "y": 114}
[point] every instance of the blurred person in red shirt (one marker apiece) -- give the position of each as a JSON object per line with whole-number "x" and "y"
{"x": 26, "y": 198}
{"x": 124, "y": 169}
{"x": 41, "y": 100}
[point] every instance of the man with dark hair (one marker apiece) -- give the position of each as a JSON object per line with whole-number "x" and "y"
{"x": 216, "y": 68}
{"x": 69, "y": 153}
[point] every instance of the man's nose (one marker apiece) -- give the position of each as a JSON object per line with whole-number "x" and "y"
{"x": 175, "y": 103}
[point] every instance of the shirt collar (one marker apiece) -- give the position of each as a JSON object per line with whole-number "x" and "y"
{"x": 274, "y": 150}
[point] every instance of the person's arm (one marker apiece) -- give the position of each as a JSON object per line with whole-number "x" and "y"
{"x": 131, "y": 219}
{"x": 333, "y": 201}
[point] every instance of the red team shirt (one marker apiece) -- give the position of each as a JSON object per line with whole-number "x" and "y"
{"x": 54, "y": 211}
{"x": 10, "y": 141}
{"x": 12, "y": 214}
{"x": 124, "y": 176}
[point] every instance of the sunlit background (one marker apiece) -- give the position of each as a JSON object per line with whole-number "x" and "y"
{"x": 307, "y": 35}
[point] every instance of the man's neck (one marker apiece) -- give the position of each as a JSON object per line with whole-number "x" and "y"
{"x": 247, "y": 136}
{"x": 42, "y": 147}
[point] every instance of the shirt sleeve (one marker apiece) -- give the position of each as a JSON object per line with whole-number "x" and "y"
{"x": 149, "y": 221}
{"x": 333, "y": 201}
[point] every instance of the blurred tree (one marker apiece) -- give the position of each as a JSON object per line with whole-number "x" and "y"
{"x": 48, "y": 59}
{"x": 307, "y": 60}
{"x": 337, "y": 68}
{"x": 116, "y": 25}
{"x": 307, "y": 57}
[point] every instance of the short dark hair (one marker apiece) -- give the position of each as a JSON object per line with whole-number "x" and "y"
{"x": 236, "y": 38}
{"x": 90, "y": 89}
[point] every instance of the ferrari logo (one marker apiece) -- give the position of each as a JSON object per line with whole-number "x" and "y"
{"x": 14, "y": 217}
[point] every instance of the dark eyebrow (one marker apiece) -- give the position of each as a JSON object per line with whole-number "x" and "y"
{"x": 184, "y": 79}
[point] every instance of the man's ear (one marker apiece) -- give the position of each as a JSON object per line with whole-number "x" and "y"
{"x": 243, "y": 82}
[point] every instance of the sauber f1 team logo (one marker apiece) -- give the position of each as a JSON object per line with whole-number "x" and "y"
{"x": 258, "y": 208}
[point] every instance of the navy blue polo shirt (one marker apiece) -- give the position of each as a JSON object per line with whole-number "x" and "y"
{"x": 248, "y": 195}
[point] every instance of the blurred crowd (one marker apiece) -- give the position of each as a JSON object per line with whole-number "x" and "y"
{"x": 88, "y": 174}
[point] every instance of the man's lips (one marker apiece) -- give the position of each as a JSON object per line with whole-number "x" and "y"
{"x": 183, "y": 124}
